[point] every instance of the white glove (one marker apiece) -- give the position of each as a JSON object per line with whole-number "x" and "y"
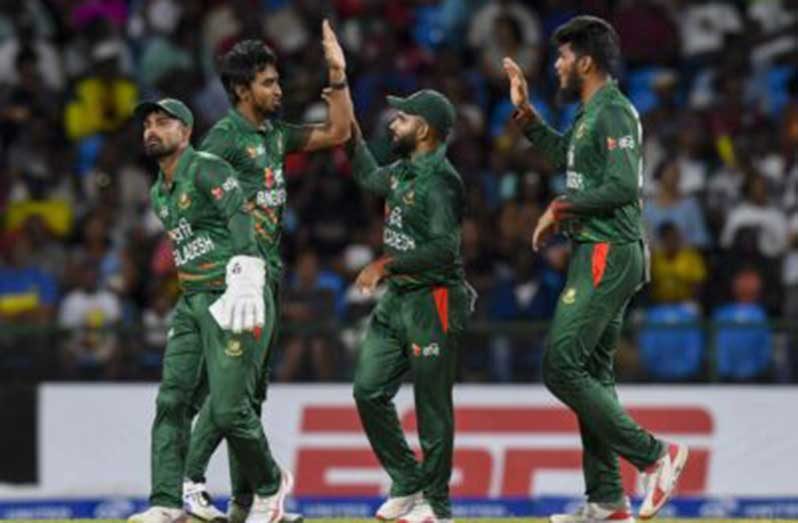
{"x": 241, "y": 307}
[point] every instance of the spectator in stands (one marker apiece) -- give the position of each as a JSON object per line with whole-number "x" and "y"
{"x": 757, "y": 213}
{"x": 28, "y": 294}
{"x": 90, "y": 313}
{"x": 507, "y": 39}
{"x": 743, "y": 339}
{"x": 670, "y": 206}
{"x": 678, "y": 271}
{"x": 311, "y": 352}
{"x": 105, "y": 99}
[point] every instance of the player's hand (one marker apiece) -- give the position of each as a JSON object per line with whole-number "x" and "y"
{"x": 545, "y": 227}
{"x": 370, "y": 276}
{"x": 241, "y": 307}
{"x": 519, "y": 91}
{"x": 332, "y": 49}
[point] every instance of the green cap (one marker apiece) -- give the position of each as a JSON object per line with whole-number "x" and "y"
{"x": 171, "y": 106}
{"x": 429, "y": 104}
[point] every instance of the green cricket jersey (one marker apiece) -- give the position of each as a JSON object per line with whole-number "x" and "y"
{"x": 257, "y": 154}
{"x": 423, "y": 213}
{"x": 203, "y": 211}
{"x": 603, "y": 156}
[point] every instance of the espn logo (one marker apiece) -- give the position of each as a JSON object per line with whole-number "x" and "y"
{"x": 499, "y": 451}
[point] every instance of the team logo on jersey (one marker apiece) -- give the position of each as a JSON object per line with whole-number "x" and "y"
{"x": 233, "y": 348}
{"x": 569, "y": 296}
{"x": 184, "y": 202}
{"x": 409, "y": 198}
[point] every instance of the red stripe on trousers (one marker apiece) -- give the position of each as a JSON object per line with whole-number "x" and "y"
{"x": 599, "y": 262}
{"x": 441, "y": 295}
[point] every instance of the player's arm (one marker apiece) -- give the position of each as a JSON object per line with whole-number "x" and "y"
{"x": 336, "y": 130}
{"x": 217, "y": 180}
{"x": 444, "y": 210}
{"x": 367, "y": 173}
{"x": 551, "y": 144}
{"x": 618, "y": 136}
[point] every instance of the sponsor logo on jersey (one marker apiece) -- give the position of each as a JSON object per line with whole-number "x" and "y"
{"x": 181, "y": 232}
{"x": 574, "y": 180}
{"x": 431, "y": 350}
{"x": 230, "y": 183}
{"x": 256, "y": 151}
{"x": 217, "y": 193}
{"x": 184, "y": 202}
{"x": 626, "y": 142}
{"x": 395, "y": 218}
{"x": 580, "y": 131}
{"x": 569, "y": 296}
{"x": 164, "y": 213}
{"x": 612, "y": 143}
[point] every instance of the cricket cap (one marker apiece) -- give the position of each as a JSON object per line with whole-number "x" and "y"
{"x": 430, "y": 105}
{"x": 171, "y": 106}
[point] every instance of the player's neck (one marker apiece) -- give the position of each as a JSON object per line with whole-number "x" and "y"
{"x": 168, "y": 165}
{"x": 250, "y": 114}
{"x": 423, "y": 148}
{"x": 592, "y": 85}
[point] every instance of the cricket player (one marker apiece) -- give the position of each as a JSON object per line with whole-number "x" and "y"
{"x": 601, "y": 213}
{"x": 220, "y": 319}
{"x": 255, "y": 142}
{"x": 418, "y": 322}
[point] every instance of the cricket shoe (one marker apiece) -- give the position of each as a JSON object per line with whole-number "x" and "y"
{"x": 238, "y": 510}
{"x": 660, "y": 479}
{"x": 593, "y": 512}
{"x": 271, "y": 509}
{"x": 198, "y": 503}
{"x": 397, "y": 506}
{"x": 157, "y": 515}
{"x": 421, "y": 513}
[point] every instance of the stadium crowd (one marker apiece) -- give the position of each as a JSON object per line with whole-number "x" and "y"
{"x": 86, "y": 275}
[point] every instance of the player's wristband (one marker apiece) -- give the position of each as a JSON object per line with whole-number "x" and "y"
{"x": 339, "y": 85}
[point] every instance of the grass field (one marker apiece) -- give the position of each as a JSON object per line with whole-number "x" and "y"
{"x": 478, "y": 520}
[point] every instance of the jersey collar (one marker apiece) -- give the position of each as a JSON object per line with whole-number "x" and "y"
{"x": 182, "y": 165}
{"x": 245, "y": 125}
{"x": 602, "y": 94}
{"x": 422, "y": 163}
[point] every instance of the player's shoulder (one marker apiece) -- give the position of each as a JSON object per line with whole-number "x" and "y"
{"x": 209, "y": 162}
{"x": 617, "y": 109}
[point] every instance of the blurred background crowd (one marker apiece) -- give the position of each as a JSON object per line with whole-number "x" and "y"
{"x": 86, "y": 276}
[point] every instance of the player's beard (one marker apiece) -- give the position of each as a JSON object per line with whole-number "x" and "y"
{"x": 572, "y": 90}
{"x": 158, "y": 149}
{"x": 403, "y": 146}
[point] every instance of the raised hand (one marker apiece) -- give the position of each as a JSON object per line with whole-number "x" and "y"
{"x": 519, "y": 91}
{"x": 332, "y": 49}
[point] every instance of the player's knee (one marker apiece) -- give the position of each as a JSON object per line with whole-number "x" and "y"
{"x": 555, "y": 367}
{"x": 228, "y": 418}
{"x": 171, "y": 401}
{"x": 365, "y": 393}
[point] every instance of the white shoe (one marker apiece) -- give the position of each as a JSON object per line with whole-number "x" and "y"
{"x": 660, "y": 479}
{"x": 271, "y": 509}
{"x": 198, "y": 503}
{"x": 421, "y": 513}
{"x": 398, "y": 506}
{"x": 157, "y": 515}
{"x": 592, "y": 512}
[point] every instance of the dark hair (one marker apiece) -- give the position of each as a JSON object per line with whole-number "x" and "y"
{"x": 242, "y": 63}
{"x": 591, "y": 36}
